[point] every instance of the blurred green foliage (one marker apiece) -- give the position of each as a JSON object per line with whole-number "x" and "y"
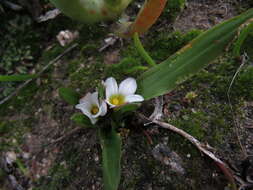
{"x": 173, "y": 8}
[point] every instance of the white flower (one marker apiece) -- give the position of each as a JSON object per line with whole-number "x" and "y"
{"x": 116, "y": 96}
{"x": 92, "y": 107}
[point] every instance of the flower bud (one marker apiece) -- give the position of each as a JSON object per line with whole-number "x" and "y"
{"x": 91, "y": 11}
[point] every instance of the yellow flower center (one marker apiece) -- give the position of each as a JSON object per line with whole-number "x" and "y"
{"x": 117, "y": 99}
{"x": 94, "y": 110}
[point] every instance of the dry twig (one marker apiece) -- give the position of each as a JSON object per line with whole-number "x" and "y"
{"x": 67, "y": 135}
{"x": 202, "y": 147}
{"x": 236, "y": 123}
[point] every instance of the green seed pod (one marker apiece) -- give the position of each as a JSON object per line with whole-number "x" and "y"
{"x": 91, "y": 11}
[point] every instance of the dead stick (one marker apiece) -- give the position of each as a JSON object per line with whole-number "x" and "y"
{"x": 236, "y": 123}
{"x": 39, "y": 73}
{"x": 70, "y": 133}
{"x": 227, "y": 171}
{"x": 223, "y": 166}
{"x": 63, "y": 137}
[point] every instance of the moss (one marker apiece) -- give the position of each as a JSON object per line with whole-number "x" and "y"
{"x": 4, "y": 127}
{"x": 17, "y": 102}
{"x": 91, "y": 33}
{"x": 21, "y": 44}
{"x": 130, "y": 51}
{"x": 53, "y": 27}
{"x": 243, "y": 86}
{"x": 52, "y": 53}
{"x": 173, "y": 8}
{"x": 89, "y": 49}
{"x": 247, "y": 46}
{"x": 87, "y": 74}
{"x": 244, "y": 5}
{"x": 192, "y": 123}
{"x": 166, "y": 44}
{"x": 127, "y": 66}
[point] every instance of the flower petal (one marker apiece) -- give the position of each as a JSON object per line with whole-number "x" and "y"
{"x": 93, "y": 120}
{"x": 94, "y": 99}
{"x": 127, "y": 86}
{"x": 103, "y": 108}
{"x": 111, "y": 87}
{"x": 111, "y": 105}
{"x": 86, "y": 98}
{"x": 85, "y": 108}
{"x": 134, "y": 98}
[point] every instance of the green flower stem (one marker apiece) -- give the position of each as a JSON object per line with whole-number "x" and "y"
{"x": 142, "y": 51}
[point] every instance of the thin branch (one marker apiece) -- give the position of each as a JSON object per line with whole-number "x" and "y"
{"x": 202, "y": 147}
{"x": 39, "y": 73}
{"x": 70, "y": 133}
{"x": 49, "y": 15}
{"x": 11, "y": 5}
{"x": 61, "y": 138}
{"x": 244, "y": 60}
{"x": 223, "y": 166}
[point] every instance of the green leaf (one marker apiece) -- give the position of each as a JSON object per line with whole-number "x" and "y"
{"x": 81, "y": 119}
{"x": 69, "y": 95}
{"x": 14, "y": 78}
{"x": 190, "y": 59}
{"x": 122, "y": 111}
{"x": 241, "y": 38}
{"x": 111, "y": 153}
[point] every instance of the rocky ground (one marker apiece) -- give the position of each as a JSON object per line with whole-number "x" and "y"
{"x": 41, "y": 148}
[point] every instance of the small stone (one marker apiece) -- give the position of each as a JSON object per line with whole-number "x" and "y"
{"x": 11, "y": 157}
{"x": 25, "y": 155}
{"x": 96, "y": 158}
{"x": 66, "y": 37}
{"x": 14, "y": 141}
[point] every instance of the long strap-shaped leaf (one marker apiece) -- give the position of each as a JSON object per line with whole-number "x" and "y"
{"x": 111, "y": 153}
{"x": 190, "y": 59}
{"x": 14, "y": 78}
{"x": 241, "y": 38}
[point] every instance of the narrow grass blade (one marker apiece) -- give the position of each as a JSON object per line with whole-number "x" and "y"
{"x": 15, "y": 78}
{"x": 241, "y": 38}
